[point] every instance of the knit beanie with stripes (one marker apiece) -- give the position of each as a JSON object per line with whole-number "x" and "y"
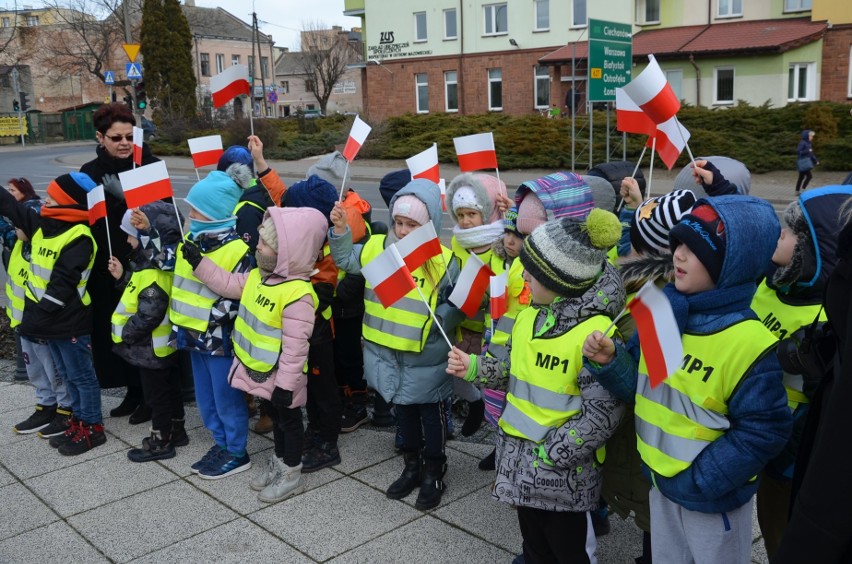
{"x": 652, "y": 221}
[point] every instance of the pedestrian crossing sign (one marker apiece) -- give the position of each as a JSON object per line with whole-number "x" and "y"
{"x": 133, "y": 71}
{"x": 109, "y": 77}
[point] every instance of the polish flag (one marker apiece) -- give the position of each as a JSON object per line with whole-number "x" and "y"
{"x": 146, "y": 184}
{"x": 138, "y": 139}
{"x": 659, "y": 336}
{"x": 442, "y": 185}
{"x": 670, "y": 141}
{"x": 425, "y": 164}
{"x": 205, "y": 150}
{"x": 629, "y": 117}
{"x": 357, "y": 135}
{"x": 419, "y": 246}
{"x": 471, "y": 286}
{"x": 653, "y": 93}
{"x": 97, "y": 204}
{"x": 498, "y": 295}
{"x": 230, "y": 83}
{"x": 388, "y": 276}
{"x": 476, "y": 152}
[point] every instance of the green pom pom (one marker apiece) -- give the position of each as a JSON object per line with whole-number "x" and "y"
{"x": 603, "y": 228}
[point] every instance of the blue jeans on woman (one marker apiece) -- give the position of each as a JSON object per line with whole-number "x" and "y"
{"x": 73, "y": 360}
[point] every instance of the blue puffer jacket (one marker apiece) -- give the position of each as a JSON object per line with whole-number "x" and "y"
{"x": 721, "y": 478}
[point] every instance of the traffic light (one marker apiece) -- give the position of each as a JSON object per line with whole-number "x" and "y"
{"x": 141, "y": 96}
{"x": 25, "y": 103}
{"x": 129, "y": 101}
{"x": 16, "y": 106}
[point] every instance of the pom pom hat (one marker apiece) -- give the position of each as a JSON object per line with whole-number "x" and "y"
{"x": 568, "y": 255}
{"x": 655, "y": 217}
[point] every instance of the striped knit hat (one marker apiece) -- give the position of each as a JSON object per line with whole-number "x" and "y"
{"x": 567, "y": 256}
{"x": 557, "y": 195}
{"x": 652, "y": 221}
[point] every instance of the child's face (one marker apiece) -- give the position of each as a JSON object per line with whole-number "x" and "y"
{"x": 512, "y": 243}
{"x": 785, "y": 247}
{"x": 265, "y": 249}
{"x": 468, "y": 218}
{"x": 540, "y": 294}
{"x": 402, "y": 226}
{"x": 691, "y": 275}
{"x": 195, "y": 214}
{"x": 49, "y": 202}
{"x": 133, "y": 242}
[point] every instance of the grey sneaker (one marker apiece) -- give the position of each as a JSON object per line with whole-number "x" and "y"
{"x": 286, "y": 482}
{"x": 263, "y": 477}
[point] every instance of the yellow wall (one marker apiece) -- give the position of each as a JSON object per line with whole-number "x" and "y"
{"x": 835, "y": 11}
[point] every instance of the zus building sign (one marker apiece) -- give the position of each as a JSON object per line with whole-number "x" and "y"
{"x": 388, "y": 48}
{"x": 610, "y": 58}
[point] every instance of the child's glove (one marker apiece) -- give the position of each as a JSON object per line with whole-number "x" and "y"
{"x": 281, "y": 398}
{"x": 191, "y": 254}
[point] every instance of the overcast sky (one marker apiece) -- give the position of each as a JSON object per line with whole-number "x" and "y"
{"x": 284, "y": 19}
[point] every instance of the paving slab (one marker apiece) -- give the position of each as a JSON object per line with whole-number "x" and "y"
{"x": 364, "y": 448}
{"x": 9, "y": 419}
{"x": 477, "y": 450}
{"x": 199, "y": 443}
{"x": 334, "y": 518}
{"x": 52, "y": 543}
{"x": 97, "y": 482}
{"x": 151, "y": 520}
{"x": 488, "y": 519}
{"x": 17, "y": 396}
{"x": 6, "y": 478}
{"x": 34, "y": 456}
{"x": 24, "y": 511}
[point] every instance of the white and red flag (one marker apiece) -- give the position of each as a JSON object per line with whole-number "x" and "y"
{"x": 659, "y": 336}
{"x": 476, "y": 152}
{"x": 471, "y": 286}
{"x": 425, "y": 164}
{"x": 97, "y": 204}
{"x": 146, "y": 184}
{"x": 442, "y": 185}
{"x": 419, "y": 246}
{"x": 499, "y": 292}
{"x": 653, "y": 93}
{"x": 230, "y": 83}
{"x": 205, "y": 150}
{"x": 388, "y": 276}
{"x": 138, "y": 139}
{"x": 671, "y": 139}
{"x": 357, "y": 135}
{"x": 630, "y": 118}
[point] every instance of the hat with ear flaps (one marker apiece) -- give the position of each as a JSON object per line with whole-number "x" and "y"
{"x": 803, "y": 262}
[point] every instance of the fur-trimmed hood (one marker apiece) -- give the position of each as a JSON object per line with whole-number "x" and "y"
{"x": 637, "y": 270}
{"x": 485, "y": 187}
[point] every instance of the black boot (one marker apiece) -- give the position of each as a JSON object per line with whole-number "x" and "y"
{"x": 409, "y": 479}
{"x": 179, "y": 436}
{"x": 489, "y": 462}
{"x": 128, "y": 405}
{"x": 382, "y": 416}
{"x": 475, "y": 415}
{"x": 140, "y": 415}
{"x": 432, "y": 483}
{"x": 158, "y": 446}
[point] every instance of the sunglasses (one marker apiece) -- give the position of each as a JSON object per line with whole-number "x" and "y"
{"x": 118, "y": 138}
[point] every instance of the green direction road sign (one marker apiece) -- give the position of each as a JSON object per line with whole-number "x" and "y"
{"x": 610, "y": 58}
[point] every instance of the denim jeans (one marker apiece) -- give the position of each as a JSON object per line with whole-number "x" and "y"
{"x": 223, "y": 408}
{"x": 73, "y": 360}
{"x": 41, "y": 371}
{"x": 423, "y": 425}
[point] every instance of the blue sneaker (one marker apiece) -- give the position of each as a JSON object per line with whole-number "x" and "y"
{"x": 210, "y": 455}
{"x": 223, "y": 465}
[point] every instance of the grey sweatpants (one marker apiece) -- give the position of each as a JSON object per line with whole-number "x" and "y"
{"x": 50, "y": 389}
{"x": 681, "y": 536}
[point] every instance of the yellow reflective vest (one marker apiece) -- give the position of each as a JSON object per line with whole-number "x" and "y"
{"x": 45, "y": 252}
{"x": 495, "y": 263}
{"x": 689, "y": 410}
{"x": 543, "y": 391}
{"x": 406, "y": 324}
{"x": 782, "y": 319}
{"x": 191, "y": 300}
{"x": 257, "y": 330}
{"x": 518, "y": 299}
{"x": 16, "y": 280}
{"x": 129, "y": 305}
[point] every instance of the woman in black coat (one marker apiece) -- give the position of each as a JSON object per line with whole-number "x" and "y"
{"x": 114, "y": 132}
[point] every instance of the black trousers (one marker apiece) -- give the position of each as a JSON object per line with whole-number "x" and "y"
{"x": 554, "y": 536}
{"x": 162, "y": 389}
{"x": 423, "y": 425}
{"x": 324, "y": 406}
{"x": 348, "y": 354}
{"x": 287, "y": 432}
{"x": 803, "y": 180}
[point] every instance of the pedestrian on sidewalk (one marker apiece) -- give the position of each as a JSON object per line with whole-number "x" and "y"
{"x": 806, "y": 160}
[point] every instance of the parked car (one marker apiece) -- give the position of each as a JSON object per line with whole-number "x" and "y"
{"x": 149, "y": 129}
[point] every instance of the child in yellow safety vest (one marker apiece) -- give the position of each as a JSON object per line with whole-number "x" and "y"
{"x": 557, "y": 417}
{"x": 141, "y": 327}
{"x": 705, "y": 432}
{"x": 271, "y": 332}
{"x": 404, "y": 353}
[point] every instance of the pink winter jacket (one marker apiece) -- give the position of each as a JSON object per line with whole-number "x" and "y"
{"x": 301, "y": 234}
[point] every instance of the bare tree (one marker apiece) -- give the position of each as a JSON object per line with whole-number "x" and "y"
{"x": 7, "y": 36}
{"x": 325, "y": 56}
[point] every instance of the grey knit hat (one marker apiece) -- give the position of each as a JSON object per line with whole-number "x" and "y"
{"x": 655, "y": 217}
{"x": 268, "y": 233}
{"x": 803, "y": 262}
{"x": 567, "y": 255}
{"x": 330, "y": 168}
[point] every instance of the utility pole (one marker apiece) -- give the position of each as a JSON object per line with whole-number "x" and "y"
{"x": 256, "y": 41}
{"x": 128, "y": 39}
{"x": 17, "y": 89}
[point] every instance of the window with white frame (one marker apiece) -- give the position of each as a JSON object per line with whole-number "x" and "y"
{"x": 579, "y": 16}
{"x": 285, "y": 86}
{"x": 421, "y": 85}
{"x": 264, "y": 67}
{"x": 542, "y": 15}
{"x": 220, "y": 62}
{"x": 495, "y": 89}
{"x": 205, "y": 64}
{"x": 797, "y": 5}
{"x": 542, "y": 87}
{"x": 723, "y": 85}
{"x": 801, "y": 82}
{"x": 6, "y": 22}
{"x": 450, "y": 27}
{"x": 729, "y": 8}
{"x": 235, "y": 60}
{"x": 648, "y": 11}
{"x": 251, "y": 65}
{"x": 451, "y": 91}
{"x": 675, "y": 78}
{"x": 496, "y": 19}
{"x": 419, "y": 26}
{"x": 32, "y": 21}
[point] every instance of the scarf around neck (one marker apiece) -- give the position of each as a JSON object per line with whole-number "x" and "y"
{"x": 480, "y": 236}
{"x": 719, "y": 301}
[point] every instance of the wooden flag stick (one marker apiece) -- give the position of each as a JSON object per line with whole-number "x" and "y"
{"x": 650, "y": 170}
{"x": 177, "y": 214}
{"x": 343, "y": 182}
{"x": 109, "y": 240}
{"x": 251, "y": 114}
{"x": 635, "y": 170}
{"x": 614, "y": 321}
{"x": 685, "y": 143}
